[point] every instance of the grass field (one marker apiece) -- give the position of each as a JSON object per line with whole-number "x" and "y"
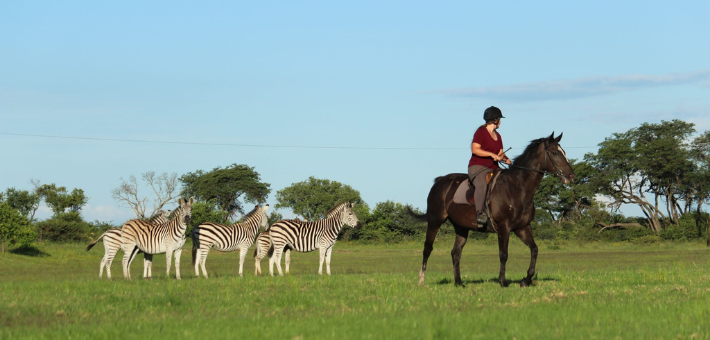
{"x": 592, "y": 291}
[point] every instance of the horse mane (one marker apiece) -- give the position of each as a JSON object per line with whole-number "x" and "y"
{"x": 530, "y": 152}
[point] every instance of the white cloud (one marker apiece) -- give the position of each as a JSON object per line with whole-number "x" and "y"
{"x": 577, "y": 88}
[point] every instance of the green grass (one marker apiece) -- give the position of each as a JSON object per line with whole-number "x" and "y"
{"x": 590, "y": 291}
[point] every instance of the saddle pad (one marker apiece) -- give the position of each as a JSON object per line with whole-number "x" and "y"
{"x": 460, "y": 194}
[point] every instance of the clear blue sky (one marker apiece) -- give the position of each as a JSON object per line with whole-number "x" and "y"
{"x": 396, "y": 87}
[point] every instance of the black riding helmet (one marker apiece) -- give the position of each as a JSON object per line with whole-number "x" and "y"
{"x": 492, "y": 113}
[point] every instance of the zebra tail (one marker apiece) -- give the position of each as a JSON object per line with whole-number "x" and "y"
{"x": 256, "y": 250}
{"x": 94, "y": 243}
{"x": 194, "y": 251}
{"x": 271, "y": 250}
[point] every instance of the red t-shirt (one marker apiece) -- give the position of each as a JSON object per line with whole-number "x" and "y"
{"x": 487, "y": 143}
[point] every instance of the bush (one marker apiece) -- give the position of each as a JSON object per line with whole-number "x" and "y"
{"x": 64, "y": 227}
{"x": 647, "y": 239}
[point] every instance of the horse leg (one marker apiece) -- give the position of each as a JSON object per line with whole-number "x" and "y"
{"x": 503, "y": 237}
{"x": 461, "y": 238}
{"x": 526, "y": 236}
{"x": 432, "y": 230}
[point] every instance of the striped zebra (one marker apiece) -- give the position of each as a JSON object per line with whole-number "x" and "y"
{"x": 264, "y": 248}
{"x": 152, "y": 239}
{"x": 112, "y": 243}
{"x": 309, "y": 236}
{"x": 227, "y": 238}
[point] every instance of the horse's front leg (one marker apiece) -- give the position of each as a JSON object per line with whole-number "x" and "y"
{"x": 503, "y": 237}
{"x": 461, "y": 238}
{"x": 526, "y": 236}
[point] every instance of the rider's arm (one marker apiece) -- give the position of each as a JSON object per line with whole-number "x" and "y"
{"x": 478, "y": 151}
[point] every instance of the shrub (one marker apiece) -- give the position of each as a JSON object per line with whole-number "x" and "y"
{"x": 64, "y": 227}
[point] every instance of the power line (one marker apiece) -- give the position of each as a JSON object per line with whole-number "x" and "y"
{"x": 250, "y": 145}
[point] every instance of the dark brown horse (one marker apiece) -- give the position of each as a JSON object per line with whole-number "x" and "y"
{"x": 511, "y": 205}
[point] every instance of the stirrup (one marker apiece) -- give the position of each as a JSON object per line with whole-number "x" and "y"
{"x": 482, "y": 219}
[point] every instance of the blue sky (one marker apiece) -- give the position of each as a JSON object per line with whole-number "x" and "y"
{"x": 382, "y": 96}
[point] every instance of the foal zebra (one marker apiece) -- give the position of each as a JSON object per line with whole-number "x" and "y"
{"x": 309, "y": 236}
{"x": 152, "y": 239}
{"x": 112, "y": 243}
{"x": 263, "y": 248}
{"x": 227, "y": 238}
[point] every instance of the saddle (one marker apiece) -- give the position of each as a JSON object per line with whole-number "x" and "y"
{"x": 489, "y": 186}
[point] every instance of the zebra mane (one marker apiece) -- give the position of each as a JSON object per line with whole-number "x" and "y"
{"x": 252, "y": 214}
{"x": 338, "y": 207}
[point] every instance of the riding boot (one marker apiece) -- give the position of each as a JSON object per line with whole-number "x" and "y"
{"x": 482, "y": 219}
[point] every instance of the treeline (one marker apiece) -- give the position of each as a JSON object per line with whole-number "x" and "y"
{"x": 662, "y": 168}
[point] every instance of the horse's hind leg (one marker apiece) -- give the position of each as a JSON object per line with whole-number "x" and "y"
{"x": 461, "y": 238}
{"x": 526, "y": 236}
{"x": 432, "y": 230}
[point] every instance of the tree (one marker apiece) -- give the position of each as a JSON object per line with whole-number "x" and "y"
{"x": 313, "y": 197}
{"x": 23, "y": 201}
{"x": 59, "y": 200}
{"x": 13, "y": 226}
{"x": 390, "y": 221}
{"x": 226, "y": 187}
{"x": 63, "y": 227}
{"x": 164, "y": 187}
{"x": 567, "y": 201}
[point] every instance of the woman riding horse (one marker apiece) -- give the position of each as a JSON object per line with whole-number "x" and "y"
{"x": 486, "y": 152}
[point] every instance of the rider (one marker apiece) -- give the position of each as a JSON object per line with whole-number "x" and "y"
{"x": 486, "y": 152}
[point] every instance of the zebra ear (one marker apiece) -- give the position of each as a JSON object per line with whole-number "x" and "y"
{"x": 192, "y": 200}
{"x": 181, "y": 201}
{"x": 266, "y": 207}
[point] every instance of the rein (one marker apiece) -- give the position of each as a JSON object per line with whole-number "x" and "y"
{"x": 557, "y": 172}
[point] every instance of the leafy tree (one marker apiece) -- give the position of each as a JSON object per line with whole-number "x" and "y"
{"x": 23, "y": 201}
{"x": 14, "y": 227}
{"x": 275, "y": 217}
{"x": 567, "y": 201}
{"x": 164, "y": 187}
{"x": 390, "y": 221}
{"x": 226, "y": 187}
{"x": 59, "y": 200}
{"x": 206, "y": 212}
{"x": 313, "y": 197}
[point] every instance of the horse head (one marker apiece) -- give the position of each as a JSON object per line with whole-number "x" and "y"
{"x": 556, "y": 160}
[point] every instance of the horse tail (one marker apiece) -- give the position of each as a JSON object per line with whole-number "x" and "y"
{"x": 421, "y": 217}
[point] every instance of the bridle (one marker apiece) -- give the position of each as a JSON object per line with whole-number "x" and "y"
{"x": 557, "y": 172}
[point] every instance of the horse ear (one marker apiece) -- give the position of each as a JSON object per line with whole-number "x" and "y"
{"x": 559, "y": 137}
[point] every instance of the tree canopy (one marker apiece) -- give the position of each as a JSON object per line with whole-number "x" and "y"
{"x": 226, "y": 187}
{"x": 313, "y": 197}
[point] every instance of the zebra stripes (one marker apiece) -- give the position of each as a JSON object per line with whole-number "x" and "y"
{"x": 309, "y": 236}
{"x": 227, "y": 238}
{"x": 112, "y": 243}
{"x": 152, "y": 239}
{"x": 263, "y": 248}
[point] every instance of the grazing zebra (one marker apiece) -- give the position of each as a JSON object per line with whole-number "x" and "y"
{"x": 263, "y": 248}
{"x": 152, "y": 239}
{"x": 309, "y": 236}
{"x": 112, "y": 243}
{"x": 227, "y": 238}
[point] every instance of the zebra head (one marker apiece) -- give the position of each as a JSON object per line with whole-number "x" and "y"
{"x": 263, "y": 219}
{"x": 349, "y": 217}
{"x": 185, "y": 209}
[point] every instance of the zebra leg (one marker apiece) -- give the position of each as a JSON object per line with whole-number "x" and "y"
{"x": 287, "y": 259}
{"x": 129, "y": 252}
{"x": 110, "y": 254}
{"x": 203, "y": 260}
{"x": 257, "y": 265}
{"x": 169, "y": 261}
{"x": 101, "y": 267}
{"x": 276, "y": 259}
{"x": 328, "y": 252}
{"x": 178, "y": 255}
{"x": 108, "y": 268}
{"x": 196, "y": 258}
{"x": 242, "y": 256}
{"x": 321, "y": 253}
{"x": 147, "y": 266}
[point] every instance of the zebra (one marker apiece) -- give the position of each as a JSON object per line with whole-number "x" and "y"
{"x": 309, "y": 236}
{"x": 112, "y": 243}
{"x": 263, "y": 248}
{"x": 152, "y": 239}
{"x": 227, "y": 238}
